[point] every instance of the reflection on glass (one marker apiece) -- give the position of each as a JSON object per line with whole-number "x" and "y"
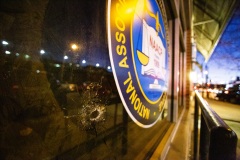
{"x": 60, "y": 101}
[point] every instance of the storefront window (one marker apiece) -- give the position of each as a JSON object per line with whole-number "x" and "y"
{"x": 58, "y": 96}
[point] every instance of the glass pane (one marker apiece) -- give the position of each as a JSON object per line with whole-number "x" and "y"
{"x": 58, "y": 95}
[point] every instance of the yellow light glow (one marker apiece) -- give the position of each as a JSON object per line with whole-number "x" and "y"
{"x": 129, "y": 10}
{"x": 193, "y": 76}
{"x": 126, "y": 7}
{"x": 74, "y": 46}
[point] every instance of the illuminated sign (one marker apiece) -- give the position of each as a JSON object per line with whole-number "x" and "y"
{"x": 139, "y": 57}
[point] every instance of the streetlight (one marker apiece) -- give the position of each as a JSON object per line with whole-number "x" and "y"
{"x": 7, "y": 52}
{"x": 206, "y": 76}
{"x": 65, "y": 57}
{"x": 42, "y": 52}
{"x": 74, "y": 47}
{"x": 4, "y": 42}
{"x": 206, "y": 80}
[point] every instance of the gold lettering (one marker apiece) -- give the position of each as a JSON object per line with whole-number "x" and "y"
{"x": 123, "y": 63}
{"x": 139, "y": 109}
{"x": 133, "y": 96}
{"x": 120, "y": 37}
{"x": 137, "y": 104}
{"x": 120, "y": 24}
{"x": 130, "y": 88}
{"x": 146, "y": 113}
{"x": 142, "y": 111}
{"x": 129, "y": 78}
{"x": 121, "y": 50}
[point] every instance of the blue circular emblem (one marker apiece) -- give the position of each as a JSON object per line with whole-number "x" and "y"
{"x": 149, "y": 50}
{"x": 139, "y": 57}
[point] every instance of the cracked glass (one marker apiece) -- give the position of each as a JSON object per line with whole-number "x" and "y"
{"x": 57, "y": 92}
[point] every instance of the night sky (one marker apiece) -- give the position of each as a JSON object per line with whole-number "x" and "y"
{"x": 224, "y": 64}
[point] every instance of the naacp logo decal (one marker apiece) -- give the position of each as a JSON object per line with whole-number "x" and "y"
{"x": 139, "y": 57}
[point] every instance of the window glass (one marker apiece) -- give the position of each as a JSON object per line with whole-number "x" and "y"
{"x": 57, "y": 92}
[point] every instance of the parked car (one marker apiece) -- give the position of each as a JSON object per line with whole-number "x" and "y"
{"x": 231, "y": 94}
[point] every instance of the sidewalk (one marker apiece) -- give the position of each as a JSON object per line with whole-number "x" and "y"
{"x": 180, "y": 146}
